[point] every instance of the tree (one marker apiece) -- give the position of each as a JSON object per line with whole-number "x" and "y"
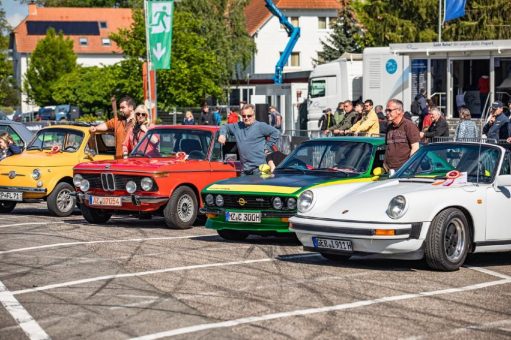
{"x": 347, "y": 36}
{"x": 52, "y": 58}
{"x": 84, "y": 3}
{"x": 8, "y": 91}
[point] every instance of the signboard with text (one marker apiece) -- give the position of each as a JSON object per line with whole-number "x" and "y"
{"x": 159, "y": 32}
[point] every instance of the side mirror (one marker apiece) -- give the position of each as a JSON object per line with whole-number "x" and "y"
{"x": 503, "y": 181}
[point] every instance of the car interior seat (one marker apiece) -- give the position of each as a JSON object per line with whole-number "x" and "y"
{"x": 188, "y": 145}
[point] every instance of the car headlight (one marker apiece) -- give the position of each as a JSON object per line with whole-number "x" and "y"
{"x": 131, "y": 187}
{"x": 277, "y": 203}
{"x": 305, "y": 201}
{"x": 397, "y": 207}
{"x": 146, "y": 183}
{"x": 291, "y": 203}
{"x": 84, "y": 185}
{"x": 219, "y": 200}
{"x": 36, "y": 174}
{"x": 210, "y": 200}
{"x": 77, "y": 179}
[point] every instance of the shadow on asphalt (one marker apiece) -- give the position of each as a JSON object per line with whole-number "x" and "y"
{"x": 290, "y": 240}
{"x": 489, "y": 259}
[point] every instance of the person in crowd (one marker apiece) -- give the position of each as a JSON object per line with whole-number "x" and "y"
{"x": 483, "y": 85}
{"x": 359, "y": 109}
{"x": 234, "y": 116}
{"x": 217, "y": 117}
{"x": 428, "y": 120}
{"x": 120, "y": 125}
{"x": 7, "y": 146}
{"x": 420, "y": 106}
{"x": 253, "y": 139}
{"x": 382, "y": 119}
{"x": 507, "y": 110}
{"x": 368, "y": 124}
{"x": 498, "y": 124}
{"x": 348, "y": 120}
{"x": 339, "y": 113}
{"x": 439, "y": 126}
{"x": 275, "y": 118}
{"x": 402, "y": 137}
{"x": 326, "y": 121}
{"x": 206, "y": 117}
{"x": 137, "y": 131}
{"x": 189, "y": 119}
{"x": 467, "y": 128}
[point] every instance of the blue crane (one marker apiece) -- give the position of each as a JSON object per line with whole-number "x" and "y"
{"x": 293, "y": 34}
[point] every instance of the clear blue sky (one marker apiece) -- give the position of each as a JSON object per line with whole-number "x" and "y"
{"x": 14, "y": 11}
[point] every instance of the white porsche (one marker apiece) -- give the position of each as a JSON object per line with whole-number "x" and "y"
{"x": 448, "y": 200}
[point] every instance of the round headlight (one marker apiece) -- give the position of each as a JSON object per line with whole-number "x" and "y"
{"x": 397, "y": 207}
{"x": 146, "y": 183}
{"x": 291, "y": 203}
{"x": 77, "y": 179}
{"x": 305, "y": 201}
{"x": 219, "y": 200}
{"x": 277, "y": 203}
{"x": 210, "y": 200}
{"x": 36, "y": 174}
{"x": 84, "y": 185}
{"x": 131, "y": 187}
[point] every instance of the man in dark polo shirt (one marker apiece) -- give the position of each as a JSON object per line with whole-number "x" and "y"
{"x": 402, "y": 137}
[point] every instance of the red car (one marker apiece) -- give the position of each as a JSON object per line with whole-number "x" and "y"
{"x": 164, "y": 175}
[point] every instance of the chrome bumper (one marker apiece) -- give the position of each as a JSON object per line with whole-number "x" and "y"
{"x": 24, "y": 189}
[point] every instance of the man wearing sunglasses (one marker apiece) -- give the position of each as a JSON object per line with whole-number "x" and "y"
{"x": 253, "y": 139}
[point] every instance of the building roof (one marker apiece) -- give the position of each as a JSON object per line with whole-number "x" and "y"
{"x": 257, "y": 14}
{"x": 94, "y": 24}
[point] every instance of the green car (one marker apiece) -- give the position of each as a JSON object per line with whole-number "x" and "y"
{"x": 262, "y": 204}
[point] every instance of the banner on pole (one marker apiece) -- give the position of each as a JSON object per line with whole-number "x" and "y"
{"x": 454, "y": 9}
{"x": 159, "y": 32}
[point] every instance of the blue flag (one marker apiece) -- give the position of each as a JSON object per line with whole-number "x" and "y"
{"x": 454, "y": 9}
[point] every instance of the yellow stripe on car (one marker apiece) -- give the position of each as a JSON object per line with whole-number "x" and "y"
{"x": 347, "y": 181}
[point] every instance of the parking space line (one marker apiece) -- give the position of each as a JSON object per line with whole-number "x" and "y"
{"x": 28, "y": 223}
{"x": 308, "y": 311}
{"x": 25, "y": 321}
{"x": 489, "y": 272}
{"x": 65, "y": 244}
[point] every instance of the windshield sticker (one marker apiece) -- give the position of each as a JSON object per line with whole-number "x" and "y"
{"x": 453, "y": 177}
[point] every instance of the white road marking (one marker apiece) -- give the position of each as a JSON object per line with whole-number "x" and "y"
{"x": 55, "y": 245}
{"x": 301, "y": 312}
{"x": 21, "y": 316}
{"x": 489, "y": 272}
{"x": 28, "y": 223}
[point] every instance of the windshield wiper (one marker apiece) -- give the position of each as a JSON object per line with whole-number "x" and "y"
{"x": 332, "y": 170}
{"x": 290, "y": 169}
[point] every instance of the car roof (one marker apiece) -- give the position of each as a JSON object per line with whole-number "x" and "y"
{"x": 20, "y": 128}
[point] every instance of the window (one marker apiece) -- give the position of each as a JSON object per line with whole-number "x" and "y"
{"x": 105, "y": 41}
{"x": 332, "y": 21}
{"x": 84, "y": 41}
{"x": 294, "y": 58}
{"x": 317, "y": 88}
{"x": 322, "y": 23}
{"x": 294, "y": 21}
{"x": 103, "y": 24}
{"x": 15, "y": 137}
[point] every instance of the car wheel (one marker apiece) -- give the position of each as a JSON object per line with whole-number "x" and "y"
{"x": 232, "y": 235}
{"x": 181, "y": 210}
{"x": 335, "y": 257}
{"x": 448, "y": 240}
{"x": 7, "y": 206}
{"x": 61, "y": 202}
{"x": 94, "y": 216}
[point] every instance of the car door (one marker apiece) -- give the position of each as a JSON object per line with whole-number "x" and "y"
{"x": 101, "y": 146}
{"x": 498, "y": 216}
{"x": 224, "y": 160}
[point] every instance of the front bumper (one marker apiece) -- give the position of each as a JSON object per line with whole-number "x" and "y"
{"x": 129, "y": 202}
{"x": 406, "y": 243}
{"x": 274, "y": 221}
{"x": 28, "y": 192}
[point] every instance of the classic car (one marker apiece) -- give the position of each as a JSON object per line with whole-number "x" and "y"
{"x": 448, "y": 200}
{"x": 44, "y": 171}
{"x": 163, "y": 175}
{"x": 263, "y": 204}
{"x": 20, "y": 134}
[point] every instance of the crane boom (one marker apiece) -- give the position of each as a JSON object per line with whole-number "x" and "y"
{"x": 292, "y": 32}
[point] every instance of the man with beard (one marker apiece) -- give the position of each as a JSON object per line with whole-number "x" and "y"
{"x": 120, "y": 124}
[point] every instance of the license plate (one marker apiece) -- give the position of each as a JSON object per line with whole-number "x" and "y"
{"x": 11, "y": 196}
{"x": 108, "y": 201}
{"x": 329, "y": 243}
{"x": 242, "y": 217}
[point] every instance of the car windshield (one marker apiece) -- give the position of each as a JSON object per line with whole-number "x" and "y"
{"x": 168, "y": 142}
{"x": 478, "y": 162}
{"x": 63, "y": 140}
{"x": 347, "y": 158}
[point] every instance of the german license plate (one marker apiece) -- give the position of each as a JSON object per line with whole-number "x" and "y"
{"x": 11, "y": 196}
{"x": 243, "y": 217}
{"x": 108, "y": 201}
{"x": 329, "y": 243}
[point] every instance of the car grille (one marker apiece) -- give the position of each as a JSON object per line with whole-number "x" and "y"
{"x": 251, "y": 202}
{"x": 111, "y": 182}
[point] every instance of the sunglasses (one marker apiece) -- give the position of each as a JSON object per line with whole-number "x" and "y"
{"x": 390, "y": 110}
{"x": 247, "y": 116}
{"x": 141, "y": 114}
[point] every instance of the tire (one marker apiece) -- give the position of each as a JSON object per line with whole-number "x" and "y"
{"x": 7, "y": 206}
{"x": 182, "y": 208}
{"x": 94, "y": 216}
{"x": 336, "y": 257}
{"x": 448, "y": 240}
{"x": 60, "y": 201}
{"x": 232, "y": 235}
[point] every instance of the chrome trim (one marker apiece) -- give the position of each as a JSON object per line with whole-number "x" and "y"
{"x": 108, "y": 181}
{"x": 24, "y": 189}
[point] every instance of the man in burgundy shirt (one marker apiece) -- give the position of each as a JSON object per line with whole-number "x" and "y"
{"x": 402, "y": 137}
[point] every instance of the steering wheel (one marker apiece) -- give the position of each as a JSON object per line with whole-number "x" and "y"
{"x": 196, "y": 154}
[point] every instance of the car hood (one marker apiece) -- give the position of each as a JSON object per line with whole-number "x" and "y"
{"x": 280, "y": 183}
{"x": 36, "y": 158}
{"x": 142, "y": 164}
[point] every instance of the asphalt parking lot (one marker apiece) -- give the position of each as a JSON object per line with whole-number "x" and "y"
{"x": 63, "y": 278}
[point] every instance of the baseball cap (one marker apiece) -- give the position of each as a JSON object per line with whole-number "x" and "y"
{"x": 497, "y": 104}
{"x": 327, "y": 110}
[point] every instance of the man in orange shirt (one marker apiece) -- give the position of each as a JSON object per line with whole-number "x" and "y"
{"x": 120, "y": 124}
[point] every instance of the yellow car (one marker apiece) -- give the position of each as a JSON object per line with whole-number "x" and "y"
{"x": 44, "y": 171}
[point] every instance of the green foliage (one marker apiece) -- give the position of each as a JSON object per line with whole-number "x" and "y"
{"x": 8, "y": 91}
{"x": 92, "y": 118}
{"x": 52, "y": 58}
{"x": 83, "y": 3}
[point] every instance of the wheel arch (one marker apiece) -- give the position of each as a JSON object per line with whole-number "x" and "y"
{"x": 469, "y": 218}
{"x": 191, "y": 186}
